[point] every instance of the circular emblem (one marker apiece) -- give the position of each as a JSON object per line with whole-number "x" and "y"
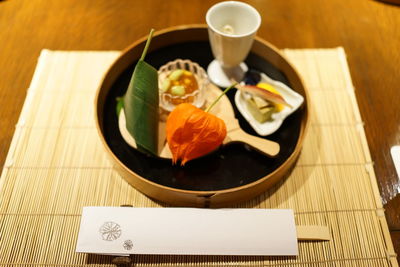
{"x": 110, "y": 231}
{"x": 128, "y": 245}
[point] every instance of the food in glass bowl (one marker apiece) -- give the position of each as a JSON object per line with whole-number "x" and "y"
{"x": 181, "y": 81}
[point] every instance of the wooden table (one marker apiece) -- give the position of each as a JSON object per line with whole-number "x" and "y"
{"x": 368, "y": 30}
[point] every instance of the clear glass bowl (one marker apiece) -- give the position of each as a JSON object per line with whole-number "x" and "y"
{"x": 169, "y": 101}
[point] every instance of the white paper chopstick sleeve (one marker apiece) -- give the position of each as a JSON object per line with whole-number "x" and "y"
{"x": 187, "y": 231}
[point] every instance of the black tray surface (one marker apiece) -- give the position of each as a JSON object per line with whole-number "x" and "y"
{"x": 233, "y": 165}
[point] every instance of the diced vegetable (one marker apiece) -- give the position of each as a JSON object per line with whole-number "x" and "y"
{"x": 178, "y": 90}
{"x": 175, "y": 75}
{"x": 165, "y": 85}
{"x": 260, "y": 109}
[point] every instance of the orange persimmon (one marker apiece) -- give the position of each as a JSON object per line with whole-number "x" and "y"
{"x": 192, "y": 132}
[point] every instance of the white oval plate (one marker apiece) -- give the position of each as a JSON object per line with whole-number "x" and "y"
{"x": 269, "y": 127}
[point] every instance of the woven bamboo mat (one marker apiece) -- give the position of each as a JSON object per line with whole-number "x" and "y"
{"x": 56, "y": 165}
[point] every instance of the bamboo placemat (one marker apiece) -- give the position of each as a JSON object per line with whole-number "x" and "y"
{"x": 56, "y": 165}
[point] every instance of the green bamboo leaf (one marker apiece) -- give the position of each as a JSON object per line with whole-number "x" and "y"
{"x": 141, "y": 104}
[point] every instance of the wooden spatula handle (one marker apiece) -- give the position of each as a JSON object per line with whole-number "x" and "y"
{"x": 269, "y": 147}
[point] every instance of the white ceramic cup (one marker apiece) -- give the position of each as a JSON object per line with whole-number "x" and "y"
{"x": 231, "y": 48}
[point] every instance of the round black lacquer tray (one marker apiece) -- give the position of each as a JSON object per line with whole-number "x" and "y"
{"x": 233, "y": 173}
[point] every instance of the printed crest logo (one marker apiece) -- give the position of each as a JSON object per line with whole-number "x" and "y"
{"x": 128, "y": 244}
{"x": 110, "y": 231}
